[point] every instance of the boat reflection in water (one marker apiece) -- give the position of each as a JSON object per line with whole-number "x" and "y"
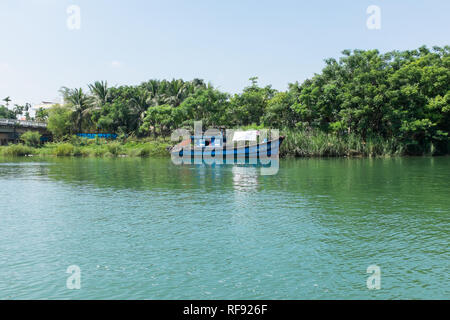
{"x": 245, "y": 178}
{"x": 268, "y": 166}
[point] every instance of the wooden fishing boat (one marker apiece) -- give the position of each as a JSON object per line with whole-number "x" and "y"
{"x": 218, "y": 148}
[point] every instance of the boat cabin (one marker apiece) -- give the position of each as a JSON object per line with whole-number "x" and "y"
{"x": 208, "y": 141}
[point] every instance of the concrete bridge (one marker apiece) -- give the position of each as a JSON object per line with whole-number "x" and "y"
{"x": 11, "y": 129}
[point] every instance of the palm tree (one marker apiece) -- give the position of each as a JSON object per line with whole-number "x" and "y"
{"x": 198, "y": 84}
{"x": 18, "y": 110}
{"x": 79, "y": 102}
{"x": 140, "y": 104}
{"x": 100, "y": 93}
{"x": 175, "y": 92}
{"x": 7, "y": 100}
{"x": 154, "y": 87}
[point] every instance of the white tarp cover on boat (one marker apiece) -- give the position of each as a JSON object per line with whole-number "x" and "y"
{"x": 245, "y": 135}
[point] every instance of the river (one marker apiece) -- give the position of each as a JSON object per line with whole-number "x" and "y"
{"x": 149, "y": 229}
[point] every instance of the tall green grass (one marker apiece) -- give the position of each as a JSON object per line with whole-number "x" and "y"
{"x": 64, "y": 150}
{"x": 315, "y": 143}
{"x": 16, "y": 150}
{"x": 92, "y": 148}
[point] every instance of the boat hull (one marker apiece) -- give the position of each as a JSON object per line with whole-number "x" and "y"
{"x": 260, "y": 150}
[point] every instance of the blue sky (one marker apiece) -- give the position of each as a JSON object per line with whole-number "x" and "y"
{"x": 225, "y": 42}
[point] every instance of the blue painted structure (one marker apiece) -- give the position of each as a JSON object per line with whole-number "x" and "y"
{"x": 112, "y": 136}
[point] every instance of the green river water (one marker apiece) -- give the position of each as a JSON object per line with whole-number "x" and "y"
{"x": 149, "y": 229}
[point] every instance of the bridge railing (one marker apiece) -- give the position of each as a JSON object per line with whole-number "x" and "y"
{"x": 22, "y": 123}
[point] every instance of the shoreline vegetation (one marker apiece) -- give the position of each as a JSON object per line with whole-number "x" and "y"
{"x": 82, "y": 147}
{"x": 366, "y": 103}
{"x": 297, "y": 144}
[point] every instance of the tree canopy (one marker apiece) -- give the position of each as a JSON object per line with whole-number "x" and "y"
{"x": 401, "y": 95}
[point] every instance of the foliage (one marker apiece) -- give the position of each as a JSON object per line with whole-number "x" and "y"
{"x": 80, "y": 103}
{"x": 41, "y": 115}
{"x": 89, "y": 148}
{"x": 249, "y": 107}
{"x": 5, "y": 113}
{"x": 154, "y": 149}
{"x": 64, "y": 149}
{"x": 114, "y": 148}
{"x": 59, "y": 121}
{"x": 365, "y": 102}
{"x": 16, "y": 150}
{"x": 161, "y": 116}
{"x": 317, "y": 143}
{"x": 31, "y": 138}
{"x": 398, "y": 95}
{"x": 207, "y": 104}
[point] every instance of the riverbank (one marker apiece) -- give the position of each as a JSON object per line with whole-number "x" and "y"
{"x": 298, "y": 143}
{"x": 91, "y": 148}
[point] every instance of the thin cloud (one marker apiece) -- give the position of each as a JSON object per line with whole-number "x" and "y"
{"x": 116, "y": 64}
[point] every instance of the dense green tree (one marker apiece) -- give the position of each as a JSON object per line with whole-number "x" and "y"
{"x": 282, "y": 111}
{"x": 158, "y": 117}
{"x": 31, "y": 138}
{"x": 80, "y": 103}
{"x": 41, "y": 115}
{"x": 59, "y": 121}
{"x": 206, "y": 104}
{"x": 18, "y": 110}
{"x": 395, "y": 95}
{"x": 248, "y": 108}
{"x": 5, "y": 113}
{"x": 139, "y": 105}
